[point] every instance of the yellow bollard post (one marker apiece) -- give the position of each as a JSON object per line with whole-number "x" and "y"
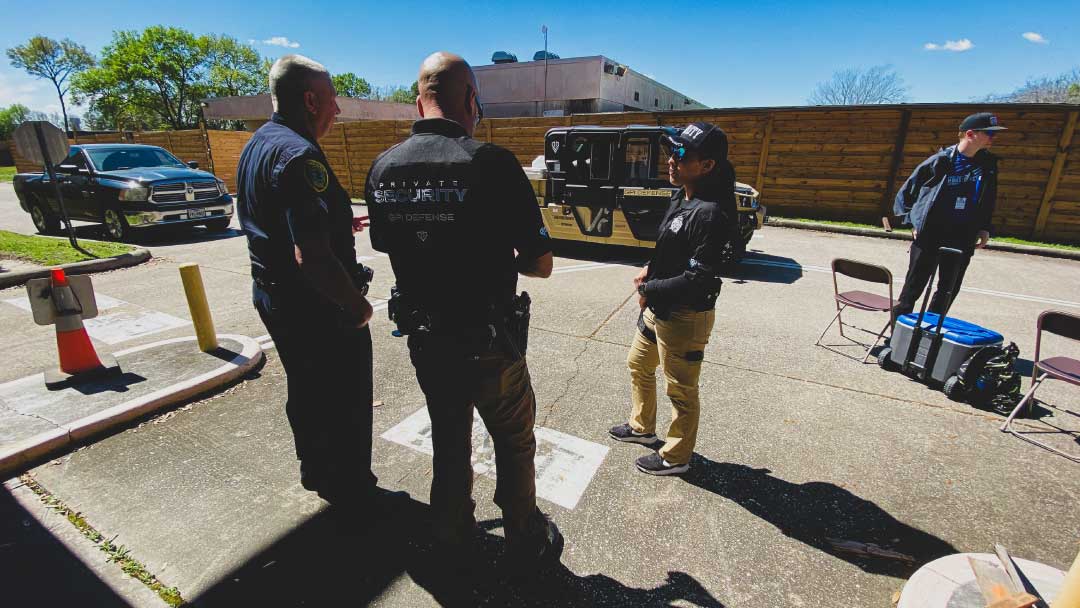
{"x": 200, "y": 310}
{"x": 1070, "y": 589}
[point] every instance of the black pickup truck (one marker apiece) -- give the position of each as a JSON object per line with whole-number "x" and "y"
{"x": 125, "y": 187}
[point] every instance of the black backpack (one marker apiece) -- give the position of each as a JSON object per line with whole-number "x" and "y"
{"x": 988, "y": 379}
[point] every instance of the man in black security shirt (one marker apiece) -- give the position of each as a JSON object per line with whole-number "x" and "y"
{"x": 677, "y": 293}
{"x": 308, "y": 288}
{"x": 451, "y": 212}
{"x": 949, "y": 201}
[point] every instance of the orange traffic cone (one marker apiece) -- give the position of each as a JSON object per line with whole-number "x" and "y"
{"x": 77, "y": 354}
{"x": 78, "y": 359}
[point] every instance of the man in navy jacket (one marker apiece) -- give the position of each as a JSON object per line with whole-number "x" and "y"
{"x": 949, "y": 202}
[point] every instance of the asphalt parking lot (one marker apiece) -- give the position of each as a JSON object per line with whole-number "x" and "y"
{"x": 800, "y": 447}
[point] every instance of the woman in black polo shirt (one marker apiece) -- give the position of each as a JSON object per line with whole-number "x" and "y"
{"x": 677, "y": 294}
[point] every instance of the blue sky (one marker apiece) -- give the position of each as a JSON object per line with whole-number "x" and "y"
{"x": 725, "y": 54}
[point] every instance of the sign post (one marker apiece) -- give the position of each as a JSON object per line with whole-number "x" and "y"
{"x": 43, "y": 142}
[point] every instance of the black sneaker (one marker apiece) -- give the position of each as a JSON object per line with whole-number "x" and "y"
{"x": 624, "y": 432}
{"x": 653, "y": 464}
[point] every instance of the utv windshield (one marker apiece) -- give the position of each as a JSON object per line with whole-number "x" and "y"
{"x": 116, "y": 159}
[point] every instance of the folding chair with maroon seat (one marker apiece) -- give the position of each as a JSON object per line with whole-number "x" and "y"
{"x": 860, "y": 300}
{"x": 1054, "y": 368}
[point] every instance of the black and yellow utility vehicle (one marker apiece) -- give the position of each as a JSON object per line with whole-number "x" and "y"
{"x": 610, "y": 185}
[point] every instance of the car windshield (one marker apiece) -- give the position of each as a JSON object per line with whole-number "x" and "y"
{"x": 116, "y": 159}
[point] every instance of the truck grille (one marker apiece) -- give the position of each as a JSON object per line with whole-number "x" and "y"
{"x": 178, "y": 192}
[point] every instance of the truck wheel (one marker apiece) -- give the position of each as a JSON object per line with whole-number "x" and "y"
{"x": 45, "y": 222}
{"x": 220, "y": 224}
{"x": 883, "y": 359}
{"x": 116, "y": 226}
{"x": 953, "y": 389}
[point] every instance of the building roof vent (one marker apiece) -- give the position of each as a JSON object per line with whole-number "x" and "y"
{"x": 503, "y": 57}
{"x": 539, "y": 55}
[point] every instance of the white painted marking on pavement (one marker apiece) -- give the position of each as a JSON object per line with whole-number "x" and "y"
{"x": 988, "y": 292}
{"x": 565, "y": 465}
{"x": 263, "y": 338}
{"x": 120, "y": 326}
{"x": 123, "y": 326}
{"x": 582, "y": 267}
{"x": 104, "y": 302}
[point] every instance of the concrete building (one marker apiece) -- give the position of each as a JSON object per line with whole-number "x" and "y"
{"x": 255, "y": 110}
{"x": 574, "y": 86}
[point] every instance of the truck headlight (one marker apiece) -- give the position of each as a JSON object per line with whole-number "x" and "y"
{"x": 136, "y": 193}
{"x": 222, "y": 188}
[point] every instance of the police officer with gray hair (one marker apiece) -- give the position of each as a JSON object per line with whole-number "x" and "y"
{"x": 308, "y": 288}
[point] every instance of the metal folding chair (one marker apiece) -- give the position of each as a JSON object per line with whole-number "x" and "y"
{"x": 860, "y": 300}
{"x": 1054, "y": 368}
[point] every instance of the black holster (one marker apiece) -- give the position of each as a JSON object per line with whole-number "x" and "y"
{"x": 517, "y": 322}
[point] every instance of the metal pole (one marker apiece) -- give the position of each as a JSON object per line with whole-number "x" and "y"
{"x": 543, "y": 108}
{"x": 56, "y": 190}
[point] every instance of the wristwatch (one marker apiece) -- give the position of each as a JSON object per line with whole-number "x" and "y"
{"x": 641, "y": 288}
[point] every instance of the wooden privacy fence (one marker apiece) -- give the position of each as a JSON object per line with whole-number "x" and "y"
{"x": 843, "y": 163}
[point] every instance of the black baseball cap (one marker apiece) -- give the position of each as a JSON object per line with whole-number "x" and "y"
{"x": 707, "y": 140}
{"x": 983, "y": 121}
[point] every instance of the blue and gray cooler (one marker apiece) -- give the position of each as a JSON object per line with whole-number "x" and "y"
{"x": 959, "y": 340}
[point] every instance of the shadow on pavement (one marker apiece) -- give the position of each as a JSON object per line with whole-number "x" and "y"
{"x": 158, "y": 235}
{"x": 599, "y": 252}
{"x": 815, "y": 511}
{"x": 764, "y": 268}
{"x": 118, "y": 384}
{"x": 329, "y": 561}
{"x": 36, "y": 569}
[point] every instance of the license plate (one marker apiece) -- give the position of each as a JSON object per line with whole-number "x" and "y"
{"x": 195, "y": 214}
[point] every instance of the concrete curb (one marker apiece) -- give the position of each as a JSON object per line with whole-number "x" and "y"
{"x": 133, "y": 258}
{"x": 904, "y": 235}
{"x": 20, "y": 455}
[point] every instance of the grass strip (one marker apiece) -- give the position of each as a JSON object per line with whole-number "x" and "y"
{"x": 996, "y": 239}
{"x": 6, "y": 174}
{"x": 117, "y": 553}
{"x": 51, "y": 251}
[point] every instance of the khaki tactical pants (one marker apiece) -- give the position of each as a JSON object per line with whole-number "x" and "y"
{"x": 680, "y": 346}
{"x": 455, "y": 380}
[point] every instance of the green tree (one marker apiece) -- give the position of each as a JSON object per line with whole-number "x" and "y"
{"x": 399, "y": 94}
{"x": 11, "y": 117}
{"x": 55, "y": 61}
{"x": 236, "y": 68}
{"x": 351, "y": 85}
{"x": 161, "y": 72}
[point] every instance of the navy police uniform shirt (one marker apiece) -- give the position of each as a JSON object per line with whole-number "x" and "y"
{"x": 287, "y": 193}
{"x": 451, "y": 211}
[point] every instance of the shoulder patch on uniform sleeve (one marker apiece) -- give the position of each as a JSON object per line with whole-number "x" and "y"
{"x": 315, "y": 173}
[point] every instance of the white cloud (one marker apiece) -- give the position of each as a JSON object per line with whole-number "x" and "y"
{"x": 36, "y": 94}
{"x": 281, "y": 41}
{"x": 1035, "y": 37}
{"x": 957, "y": 46}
